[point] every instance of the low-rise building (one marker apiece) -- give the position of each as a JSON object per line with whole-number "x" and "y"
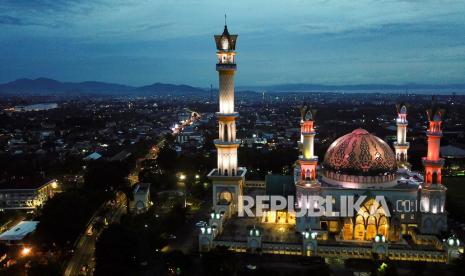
{"x": 25, "y": 193}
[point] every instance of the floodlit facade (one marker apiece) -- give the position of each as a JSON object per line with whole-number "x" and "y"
{"x": 355, "y": 165}
{"x": 26, "y": 195}
{"x": 228, "y": 178}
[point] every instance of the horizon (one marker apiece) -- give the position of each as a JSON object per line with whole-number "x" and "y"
{"x": 247, "y": 86}
{"x": 306, "y": 43}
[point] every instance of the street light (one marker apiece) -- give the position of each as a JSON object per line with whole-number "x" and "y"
{"x": 25, "y": 251}
{"x": 182, "y": 177}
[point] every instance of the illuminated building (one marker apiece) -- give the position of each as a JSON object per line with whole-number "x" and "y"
{"x": 358, "y": 165}
{"x": 25, "y": 193}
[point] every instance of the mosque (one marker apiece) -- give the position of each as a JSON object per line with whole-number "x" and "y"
{"x": 356, "y": 164}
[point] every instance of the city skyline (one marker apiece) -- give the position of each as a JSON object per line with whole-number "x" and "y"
{"x": 389, "y": 42}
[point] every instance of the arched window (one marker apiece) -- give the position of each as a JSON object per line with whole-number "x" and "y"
{"x": 435, "y": 178}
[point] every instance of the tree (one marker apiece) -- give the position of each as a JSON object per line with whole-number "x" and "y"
{"x": 167, "y": 158}
{"x": 219, "y": 261}
{"x": 178, "y": 261}
{"x": 64, "y": 217}
{"x": 116, "y": 251}
{"x": 103, "y": 175}
{"x": 39, "y": 269}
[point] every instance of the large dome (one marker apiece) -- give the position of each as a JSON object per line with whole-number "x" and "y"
{"x": 360, "y": 153}
{"x": 360, "y": 157}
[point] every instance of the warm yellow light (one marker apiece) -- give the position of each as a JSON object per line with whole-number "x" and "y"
{"x": 182, "y": 177}
{"x": 197, "y": 176}
{"x": 54, "y": 184}
{"x": 26, "y": 251}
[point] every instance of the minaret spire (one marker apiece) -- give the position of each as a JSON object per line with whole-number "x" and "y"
{"x": 227, "y": 178}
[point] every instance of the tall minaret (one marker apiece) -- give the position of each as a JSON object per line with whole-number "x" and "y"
{"x": 433, "y": 193}
{"x": 401, "y": 145}
{"x": 432, "y": 162}
{"x": 226, "y": 66}
{"x": 227, "y": 178}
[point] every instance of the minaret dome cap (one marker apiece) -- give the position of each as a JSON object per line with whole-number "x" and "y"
{"x": 225, "y": 41}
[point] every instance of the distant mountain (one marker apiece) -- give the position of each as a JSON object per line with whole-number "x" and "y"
{"x": 411, "y": 87}
{"x": 44, "y": 86}
{"x": 166, "y": 88}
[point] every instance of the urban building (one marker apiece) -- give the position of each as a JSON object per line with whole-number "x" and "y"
{"x": 25, "y": 193}
{"x": 141, "y": 202}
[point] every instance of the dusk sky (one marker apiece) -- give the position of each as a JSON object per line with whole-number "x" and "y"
{"x": 321, "y": 42}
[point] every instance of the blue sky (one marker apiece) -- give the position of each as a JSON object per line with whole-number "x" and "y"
{"x": 139, "y": 42}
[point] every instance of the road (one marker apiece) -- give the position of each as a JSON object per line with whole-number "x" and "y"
{"x": 85, "y": 248}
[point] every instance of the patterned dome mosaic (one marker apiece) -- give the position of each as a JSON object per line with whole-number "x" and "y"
{"x": 360, "y": 153}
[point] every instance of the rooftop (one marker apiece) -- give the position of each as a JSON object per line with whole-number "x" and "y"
{"x": 142, "y": 188}
{"x": 19, "y": 231}
{"x": 24, "y": 183}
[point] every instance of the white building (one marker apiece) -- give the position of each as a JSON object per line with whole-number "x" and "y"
{"x": 141, "y": 202}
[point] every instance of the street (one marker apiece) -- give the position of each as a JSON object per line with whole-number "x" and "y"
{"x": 85, "y": 249}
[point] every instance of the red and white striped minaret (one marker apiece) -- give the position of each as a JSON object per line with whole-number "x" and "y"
{"x": 307, "y": 183}
{"x": 433, "y": 163}
{"x": 401, "y": 145}
{"x": 307, "y": 161}
{"x": 433, "y": 193}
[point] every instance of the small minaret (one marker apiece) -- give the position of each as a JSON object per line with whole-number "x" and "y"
{"x": 228, "y": 179}
{"x": 401, "y": 145}
{"x": 306, "y": 181}
{"x": 308, "y": 161}
{"x": 432, "y": 162}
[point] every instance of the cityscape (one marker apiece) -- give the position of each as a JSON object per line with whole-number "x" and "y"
{"x": 223, "y": 175}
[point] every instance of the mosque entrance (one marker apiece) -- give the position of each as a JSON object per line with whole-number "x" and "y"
{"x": 370, "y": 221}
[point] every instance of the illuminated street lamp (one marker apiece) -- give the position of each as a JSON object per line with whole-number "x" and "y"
{"x": 25, "y": 251}
{"x": 182, "y": 177}
{"x": 197, "y": 176}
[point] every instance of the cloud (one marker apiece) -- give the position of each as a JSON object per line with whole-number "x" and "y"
{"x": 16, "y": 21}
{"x": 10, "y": 20}
{"x": 294, "y": 40}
